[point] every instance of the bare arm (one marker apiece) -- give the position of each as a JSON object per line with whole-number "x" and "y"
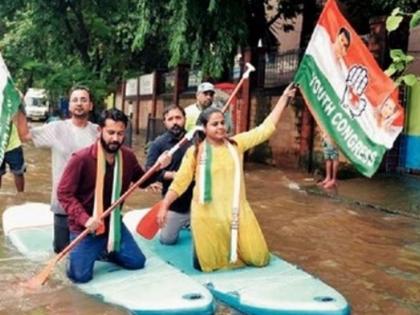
{"x": 22, "y": 126}
{"x": 169, "y": 175}
{"x": 282, "y": 102}
{"x": 169, "y": 198}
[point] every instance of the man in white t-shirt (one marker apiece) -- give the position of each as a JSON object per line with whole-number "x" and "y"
{"x": 205, "y": 98}
{"x": 64, "y": 137}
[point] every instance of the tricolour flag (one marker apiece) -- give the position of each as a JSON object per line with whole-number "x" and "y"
{"x": 347, "y": 92}
{"x": 9, "y": 104}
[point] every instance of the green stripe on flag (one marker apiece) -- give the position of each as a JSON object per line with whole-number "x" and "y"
{"x": 9, "y": 106}
{"x": 346, "y": 132}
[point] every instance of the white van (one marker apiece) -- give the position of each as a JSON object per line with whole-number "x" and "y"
{"x": 36, "y": 104}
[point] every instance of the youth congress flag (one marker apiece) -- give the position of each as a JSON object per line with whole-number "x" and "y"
{"x": 9, "y": 104}
{"x": 347, "y": 92}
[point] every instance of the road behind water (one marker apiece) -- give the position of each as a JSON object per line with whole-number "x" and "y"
{"x": 371, "y": 257}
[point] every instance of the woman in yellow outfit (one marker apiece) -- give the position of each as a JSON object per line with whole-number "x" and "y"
{"x": 225, "y": 231}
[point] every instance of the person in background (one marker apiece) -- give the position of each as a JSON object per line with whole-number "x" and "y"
{"x": 205, "y": 98}
{"x": 63, "y": 137}
{"x": 331, "y": 162}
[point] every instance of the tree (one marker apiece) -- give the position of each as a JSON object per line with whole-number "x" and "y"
{"x": 57, "y": 43}
{"x": 400, "y": 60}
{"x": 207, "y": 33}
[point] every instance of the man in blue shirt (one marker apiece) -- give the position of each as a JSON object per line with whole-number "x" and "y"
{"x": 179, "y": 214}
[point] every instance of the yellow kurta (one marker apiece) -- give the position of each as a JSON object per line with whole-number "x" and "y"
{"x": 210, "y": 223}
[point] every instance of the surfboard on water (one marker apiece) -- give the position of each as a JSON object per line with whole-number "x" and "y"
{"x": 280, "y": 288}
{"x": 157, "y": 289}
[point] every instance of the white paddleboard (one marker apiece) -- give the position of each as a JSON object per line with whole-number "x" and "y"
{"x": 157, "y": 289}
{"x": 279, "y": 288}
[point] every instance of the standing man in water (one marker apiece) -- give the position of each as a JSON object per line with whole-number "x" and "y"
{"x": 64, "y": 137}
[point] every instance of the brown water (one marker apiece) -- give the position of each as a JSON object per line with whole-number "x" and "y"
{"x": 371, "y": 257}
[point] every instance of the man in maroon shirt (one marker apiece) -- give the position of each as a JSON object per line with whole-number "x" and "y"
{"x": 78, "y": 194}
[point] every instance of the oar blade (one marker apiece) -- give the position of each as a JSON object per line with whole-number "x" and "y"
{"x": 39, "y": 279}
{"x": 148, "y": 225}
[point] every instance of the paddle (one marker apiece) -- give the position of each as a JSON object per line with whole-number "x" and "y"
{"x": 249, "y": 68}
{"x": 42, "y": 277}
{"x": 148, "y": 226}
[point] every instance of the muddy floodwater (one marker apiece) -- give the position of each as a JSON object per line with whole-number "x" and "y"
{"x": 370, "y": 256}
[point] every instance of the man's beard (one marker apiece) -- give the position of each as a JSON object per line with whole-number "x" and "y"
{"x": 112, "y": 147}
{"x": 80, "y": 114}
{"x": 176, "y": 130}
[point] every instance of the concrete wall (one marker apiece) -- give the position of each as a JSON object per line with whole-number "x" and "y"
{"x": 283, "y": 146}
{"x": 187, "y": 99}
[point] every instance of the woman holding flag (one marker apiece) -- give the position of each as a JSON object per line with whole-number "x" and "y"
{"x": 225, "y": 231}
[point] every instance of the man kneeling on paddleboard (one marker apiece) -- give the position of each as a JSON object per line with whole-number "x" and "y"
{"x": 179, "y": 214}
{"x": 95, "y": 177}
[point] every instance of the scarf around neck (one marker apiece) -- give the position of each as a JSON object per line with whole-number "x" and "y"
{"x": 114, "y": 235}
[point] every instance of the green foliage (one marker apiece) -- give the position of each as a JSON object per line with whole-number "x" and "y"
{"x": 55, "y": 44}
{"x": 415, "y": 19}
{"x": 393, "y": 22}
{"x": 207, "y": 33}
{"x": 360, "y": 12}
{"x": 409, "y": 79}
{"x": 400, "y": 60}
{"x": 200, "y": 33}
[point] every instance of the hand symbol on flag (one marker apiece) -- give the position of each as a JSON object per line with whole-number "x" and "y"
{"x": 353, "y": 99}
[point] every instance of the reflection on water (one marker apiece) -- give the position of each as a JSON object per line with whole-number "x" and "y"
{"x": 371, "y": 257}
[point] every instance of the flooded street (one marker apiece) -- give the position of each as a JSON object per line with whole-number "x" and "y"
{"x": 370, "y": 256}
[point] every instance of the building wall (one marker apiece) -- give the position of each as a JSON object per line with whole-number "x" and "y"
{"x": 285, "y": 140}
{"x": 146, "y": 108}
{"x": 287, "y": 40}
{"x": 187, "y": 99}
{"x": 283, "y": 146}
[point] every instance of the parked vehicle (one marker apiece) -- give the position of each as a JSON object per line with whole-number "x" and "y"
{"x": 36, "y": 104}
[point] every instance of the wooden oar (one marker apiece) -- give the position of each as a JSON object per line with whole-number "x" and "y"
{"x": 42, "y": 277}
{"x": 249, "y": 68}
{"x": 147, "y": 226}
